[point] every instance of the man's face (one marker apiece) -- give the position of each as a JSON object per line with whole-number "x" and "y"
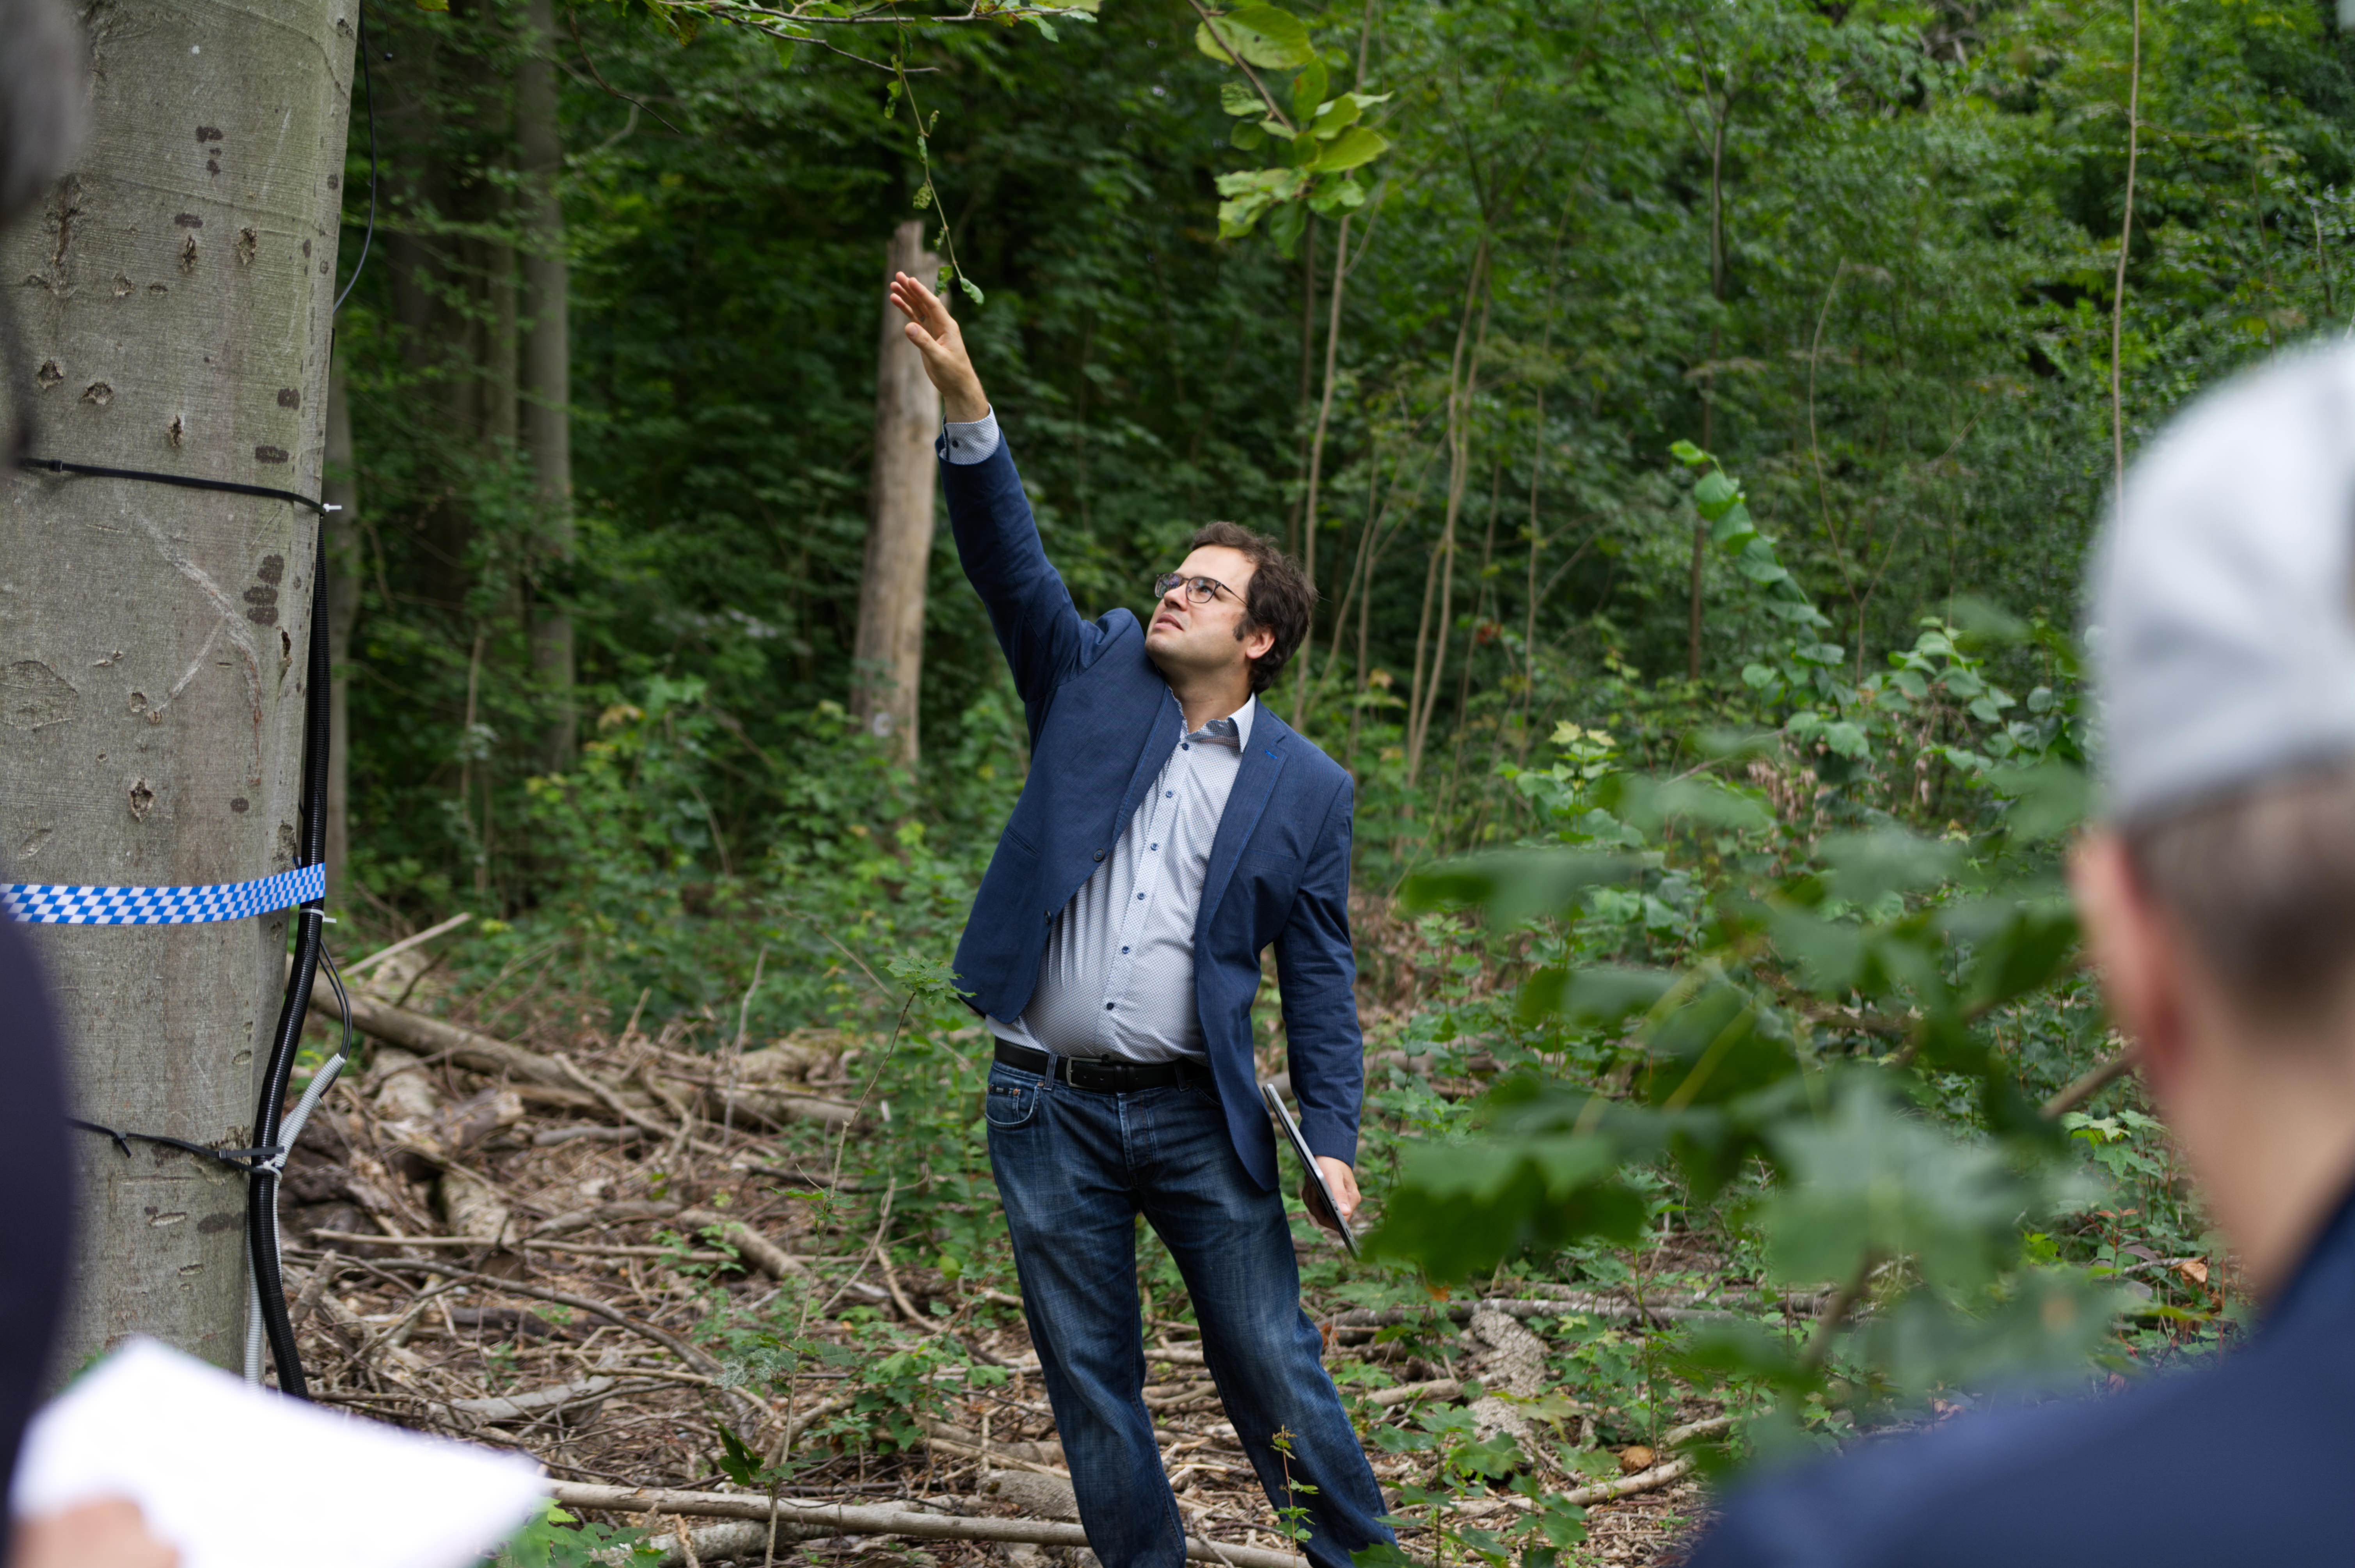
{"x": 1186, "y": 638}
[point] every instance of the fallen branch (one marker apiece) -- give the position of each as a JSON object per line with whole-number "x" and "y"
{"x": 757, "y": 1249}
{"x": 838, "y": 1519}
{"x": 2092, "y": 1083}
{"x": 1366, "y": 1318}
{"x": 735, "y": 1540}
{"x": 747, "y": 1408}
{"x": 1650, "y": 1480}
{"x": 432, "y": 1037}
{"x": 354, "y": 970}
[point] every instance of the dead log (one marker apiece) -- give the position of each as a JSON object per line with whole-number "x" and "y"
{"x": 757, "y": 1249}
{"x": 432, "y": 1037}
{"x": 838, "y": 1519}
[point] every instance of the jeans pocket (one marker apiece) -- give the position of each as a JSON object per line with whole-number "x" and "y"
{"x": 1012, "y": 1099}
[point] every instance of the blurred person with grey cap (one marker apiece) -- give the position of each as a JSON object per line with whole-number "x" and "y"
{"x": 2217, "y": 896}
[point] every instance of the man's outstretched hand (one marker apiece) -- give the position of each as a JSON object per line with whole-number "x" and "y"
{"x": 934, "y": 333}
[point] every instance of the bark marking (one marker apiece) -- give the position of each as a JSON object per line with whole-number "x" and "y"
{"x": 33, "y": 696}
{"x": 249, "y": 655}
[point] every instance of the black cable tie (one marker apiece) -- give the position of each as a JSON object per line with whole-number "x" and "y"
{"x": 185, "y": 481}
{"x": 245, "y": 1160}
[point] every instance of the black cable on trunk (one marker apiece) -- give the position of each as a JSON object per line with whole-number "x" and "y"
{"x": 261, "y": 1189}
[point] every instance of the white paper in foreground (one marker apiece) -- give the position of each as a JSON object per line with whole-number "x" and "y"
{"x": 237, "y": 1477}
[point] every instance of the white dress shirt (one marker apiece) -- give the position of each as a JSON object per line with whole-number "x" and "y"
{"x": 1117, "y": 978}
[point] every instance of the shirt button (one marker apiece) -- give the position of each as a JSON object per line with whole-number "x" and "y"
{"x": 1169, "y": 794}
{"x": 1107, "y": 1007}
{"x": 1123, "y": 950}
{"x": 1153, "y": 846}
{"x": 1184, "y": 745}
{"x": 1140, "y": 898}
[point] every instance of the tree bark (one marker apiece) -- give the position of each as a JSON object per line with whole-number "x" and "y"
{"x": 340, "y": 487}
{"x": 175, "y": 296}
{"x": 889, "y": 653}
{"x": 546, "y": 363}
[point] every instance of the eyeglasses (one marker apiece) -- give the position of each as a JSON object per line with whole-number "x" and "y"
{"x": 1199, "y": 591}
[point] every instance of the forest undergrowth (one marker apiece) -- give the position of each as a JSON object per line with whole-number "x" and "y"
{"x": 1751, "y": 1101}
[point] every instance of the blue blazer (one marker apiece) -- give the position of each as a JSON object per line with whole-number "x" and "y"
{"x": 2243, "y": 1458}
{"x": 1103, "y": 721}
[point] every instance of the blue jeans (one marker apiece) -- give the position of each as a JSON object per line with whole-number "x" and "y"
{"x": 1074, "y": 1169}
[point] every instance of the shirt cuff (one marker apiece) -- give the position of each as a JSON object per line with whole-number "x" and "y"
{"x": 973, "y": 443}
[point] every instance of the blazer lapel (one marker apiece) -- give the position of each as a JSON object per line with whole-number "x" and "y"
{"x": 1168, "y": 728}
{"x": 1263, "y": 761}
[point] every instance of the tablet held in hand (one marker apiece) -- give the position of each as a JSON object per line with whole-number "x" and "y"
{"x": 1331, "y": 1218}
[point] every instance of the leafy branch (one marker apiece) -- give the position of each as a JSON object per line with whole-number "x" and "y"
{"x": 1323, "y": 139}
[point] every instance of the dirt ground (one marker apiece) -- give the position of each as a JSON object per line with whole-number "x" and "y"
{"x": 529, "y": 1258}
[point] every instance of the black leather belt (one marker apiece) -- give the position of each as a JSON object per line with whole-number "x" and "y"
{"x": 1104, "y": 1075}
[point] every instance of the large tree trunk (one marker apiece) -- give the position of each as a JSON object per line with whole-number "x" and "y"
{"x": 340, "y": 487}
{"x": 889, "y": 654}
{"x": 547, "y": 368}
{"x": 175, "y": 295}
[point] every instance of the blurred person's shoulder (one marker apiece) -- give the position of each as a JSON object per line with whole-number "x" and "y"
{"x": 2243, "y": 1460}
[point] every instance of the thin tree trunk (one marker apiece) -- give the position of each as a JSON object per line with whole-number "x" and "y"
{"x": 1463, "y": 379}
{"x": 1709, "y": 382}
{"x": 154, "y": 677}
{"x": 2126, "y": 243}
{"x": 502, "y": 366}
{"x": 1316, "y": 461}
{"x": 546, "y": 364}
{"x": 341, "y": 490}
{"x": 888, "y": 663}
{"x": 1308, "y": 368}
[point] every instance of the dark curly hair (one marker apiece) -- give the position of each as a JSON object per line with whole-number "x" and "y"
{"x": 1280, "y": 597}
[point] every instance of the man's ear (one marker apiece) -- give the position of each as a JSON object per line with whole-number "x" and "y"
{"x": 1255, "y": 642}
{"x": 2138, "y": 952}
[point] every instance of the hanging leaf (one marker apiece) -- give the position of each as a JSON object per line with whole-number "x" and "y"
{"x": 1259, "y": 34}
{"x": 1354, "y": 147}
{"x": 1240, "y": 100}
{"x": 1308, "y": 91}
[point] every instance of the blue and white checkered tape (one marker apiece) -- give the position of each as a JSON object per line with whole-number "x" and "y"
{"x": 33, "y": 904}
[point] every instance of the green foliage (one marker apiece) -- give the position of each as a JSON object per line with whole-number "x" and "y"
{"x": 1772, "y": 953}
{"x": 559, "y": 1540}
{"x": 1815, "y": 1057}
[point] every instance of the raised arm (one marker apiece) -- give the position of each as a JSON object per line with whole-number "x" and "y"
{"x": 997, "y": 537}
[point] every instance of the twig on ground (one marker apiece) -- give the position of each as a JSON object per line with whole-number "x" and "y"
{"x": 844, "y": 1519}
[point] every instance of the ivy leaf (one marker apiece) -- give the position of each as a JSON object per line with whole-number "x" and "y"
{"x": 1259, "y": 34}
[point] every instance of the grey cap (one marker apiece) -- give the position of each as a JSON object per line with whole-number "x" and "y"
{"x": 2222, "y": 619}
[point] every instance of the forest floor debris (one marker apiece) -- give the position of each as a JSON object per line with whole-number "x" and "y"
{"x": 654, "y": 1263}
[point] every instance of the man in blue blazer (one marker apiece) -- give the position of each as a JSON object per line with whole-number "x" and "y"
{"x": 1171, "y": 830}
